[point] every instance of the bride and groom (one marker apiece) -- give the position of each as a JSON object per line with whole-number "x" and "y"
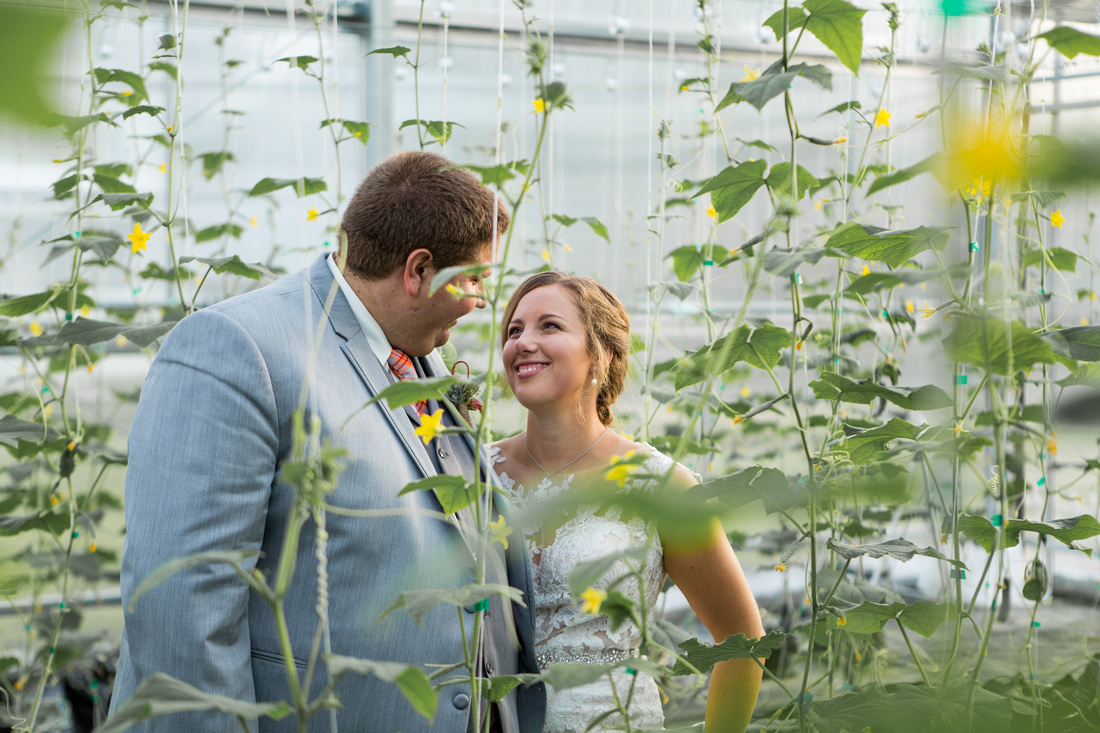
{"x": 214, "y": 423}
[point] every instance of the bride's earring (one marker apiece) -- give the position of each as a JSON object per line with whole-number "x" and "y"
{"x": 594, "y": 382}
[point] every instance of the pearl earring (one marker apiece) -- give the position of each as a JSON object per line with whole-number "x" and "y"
{"x": 594, "y": 382}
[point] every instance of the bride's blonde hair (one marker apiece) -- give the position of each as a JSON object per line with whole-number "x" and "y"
{"x": 606, "y": 326}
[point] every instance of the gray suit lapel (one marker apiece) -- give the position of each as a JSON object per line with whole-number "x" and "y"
{"x": 358, "y": 352}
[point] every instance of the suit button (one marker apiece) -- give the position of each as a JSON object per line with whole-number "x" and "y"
{"x": 488, "y": 668}
{"x": 462, "y": 701}
{"x": 443, "y": 454}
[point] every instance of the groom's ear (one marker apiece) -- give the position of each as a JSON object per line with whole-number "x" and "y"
{"x": 418, "y": 272}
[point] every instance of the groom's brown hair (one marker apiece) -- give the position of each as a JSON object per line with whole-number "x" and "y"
{"x": 413, "y": 200}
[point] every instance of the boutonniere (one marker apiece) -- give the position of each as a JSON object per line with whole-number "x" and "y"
{"x": 464, "y": 394}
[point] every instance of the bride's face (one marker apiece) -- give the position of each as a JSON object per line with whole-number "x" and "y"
{"x": 546, "y": 358}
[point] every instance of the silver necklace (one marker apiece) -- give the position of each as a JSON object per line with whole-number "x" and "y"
{"x": 567, "y": 465}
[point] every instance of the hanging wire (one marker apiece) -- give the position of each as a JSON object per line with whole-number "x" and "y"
{"x": 445, "y": 62}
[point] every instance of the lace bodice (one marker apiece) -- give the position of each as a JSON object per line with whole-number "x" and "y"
{"x": 563, "y": 632}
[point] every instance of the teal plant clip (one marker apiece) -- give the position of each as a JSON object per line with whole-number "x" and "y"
{"x": 973, "y": 246}
{"x": 1035, "y": 624}
{"x": 961, "y": 379}
{"x": 958, "y": 573}
{"x": 998, "y": 520}
{"x": 1042, "y": 480}
{"x": 482, "y": 605}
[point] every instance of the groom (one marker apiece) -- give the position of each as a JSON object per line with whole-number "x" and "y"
{"x": 214, "y": 425}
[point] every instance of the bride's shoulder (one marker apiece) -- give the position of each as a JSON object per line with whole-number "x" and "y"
{"x": 657, "y": 463}
{"x": 501, "y": 451}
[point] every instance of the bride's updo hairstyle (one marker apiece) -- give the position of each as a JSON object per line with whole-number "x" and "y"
{"x": 606, "y": 325}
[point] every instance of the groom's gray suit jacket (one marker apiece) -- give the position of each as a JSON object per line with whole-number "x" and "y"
{"x": 212, "y": 428}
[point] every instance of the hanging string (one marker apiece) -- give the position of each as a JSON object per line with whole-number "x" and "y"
{"x": 550, "y": 120}
{"x": 445, "y": 62}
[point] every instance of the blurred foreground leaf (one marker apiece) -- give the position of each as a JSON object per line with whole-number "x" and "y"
{"x": 417, "y": 603}
{"x": 704, "y": 656}
{"x": 160, "y": 694}
{"x": 410, "y": 679}
{"x": 30, "y": 40}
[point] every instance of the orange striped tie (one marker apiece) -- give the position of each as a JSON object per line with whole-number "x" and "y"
{"x": 401, "y": 365}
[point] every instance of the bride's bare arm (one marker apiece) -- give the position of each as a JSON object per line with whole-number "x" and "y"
{"x": 706, "y": 569}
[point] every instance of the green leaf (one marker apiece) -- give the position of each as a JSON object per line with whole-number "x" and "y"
{"x": 900, "y": 549}
{"x": 409, "y": 391}
{"x": 302, "y": 62}
{"x": 43, "y": 521}
{"x": 833, "y": 386}
{"x": 119, "y": 201}
{"x": 12, "y": 430}
{"x": 112, "y": 184}
{"x": 218, "y": 231}
{"x": 784, "y": 262}
{"x": 26, "y": 304}
{"x": 167, "y": 68}
{"x": 796, "y": 18}
{"x": 1069, "y": 41}
{"x": 395, "y": 51}
{"x": 893, "y": 248}
{"x": 875, "y": 281}
{"x": 1083, "y": 342}
{"x": 758, "y": 347}
{"x": 1061, "y": 258}
{"x": 998, "y": 347}
{"x": 212, "y": 163}
{"x": 302, "y": 186}
{"x": 1066, "y": 531}
{"x": 687, "y": 260}
{"x": 417, "y": 603}
{"x": 864, "y": 446}
{"x": 159, "y": 694}
{"x": 88, "y": 331}
{"x": 843, "y": 107}
{"x": 444, "y": 276}
{"x": 733, "y": 187}
{"x": 233, "y": 265}
{"x": 779, "y": 180}
{"x": 932, "y": 163}
{"x": 764, "y": 88}
{"x": 142, "y": 109}
{"x": 73, "y": 125}
{"x": 597, "y": 227}
{"x": 437, "y": 129}
{"x": 129, "y": 78}
{"x": 453, "y": 492}
{"x": 498, "y": 175}
{"x": 731, "y": 98}
{"x": 63, "y": 185}
{"x": 746, "y": 486}
{"x": 358, "y": 130}
{"x": 233, "y": 558}
{"x": 703, "y": 657}
{"x": 30, "y": 44}
{"x": 410, "y": 679}
{"x": 839, "y": 25}
{"x": 167, "y": 42}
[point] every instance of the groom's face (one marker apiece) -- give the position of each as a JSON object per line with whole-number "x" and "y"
{"x": 438, "y": 314}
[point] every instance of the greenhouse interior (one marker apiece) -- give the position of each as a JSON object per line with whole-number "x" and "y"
{"x": 799, "y": 299}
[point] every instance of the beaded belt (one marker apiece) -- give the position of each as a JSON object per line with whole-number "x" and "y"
{"x": 608, "y": 656}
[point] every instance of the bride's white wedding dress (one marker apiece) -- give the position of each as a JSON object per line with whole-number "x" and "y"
{"x": 563, "y": 633}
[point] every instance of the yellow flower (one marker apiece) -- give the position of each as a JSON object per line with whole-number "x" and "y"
{"x": 817, "y": 206}
{"x": 620, "y": 473}
{"x": 540, "y": 105}
{"x": 500, "y": 531}
{"x": 943, "y": 539}
{"x": 711, "y": 212}
{"x": 19, "y": 684}
{"x": 780, "y": 567}
{"x": 684, "y": 88}
{"x": 163, "y": 168}
{"x": 882, "y": 118}
{"x": 311, "y": 213}
{"x": 738, "y": 419}
{"x": 926, "y": 311}
{"x": 169, "y": 128}
{"x": 72, "y": 444}
{"x": 567, "y": 248}
{"x": 453, "y": 290}
{"x": 840, "y": 140}
{"x": 959, "y": 428}
{"x": 750, "y": 74}
{"x": 908, "y": 306}
{"x": 921, "y": 115}
{"x": 54, "y": 501}
{"x": 980, "y": 188}
{"x": 121, "y": 341}
{"x": 546, "y": 254}
{"x": 1052, "y": 447}
{"x": 36, "y": 328}
{"x": 85, "y": 310}
{"x": 866, "y": 270}
{"x": 745, "y": 391}
{"x": 1056, "y": 218}
{"x": 430, "y": 426}
{"x": 842, "y": 621}
{"x": 90, "y": 368}
{"x": 253, "y": 222}
{"x": 1084, "y": 321}
{"x": 139, "y": 239}
{"x": 593, "y": 598}
{"x": 127, "y": 93}
{"x": 93, "y": 547}
{"x": 798, "y": 346}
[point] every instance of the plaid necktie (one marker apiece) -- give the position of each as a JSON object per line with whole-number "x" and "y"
{"x": 401, "y": 365}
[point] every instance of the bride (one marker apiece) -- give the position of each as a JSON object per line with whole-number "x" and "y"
{"x": 566, "y": 346}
